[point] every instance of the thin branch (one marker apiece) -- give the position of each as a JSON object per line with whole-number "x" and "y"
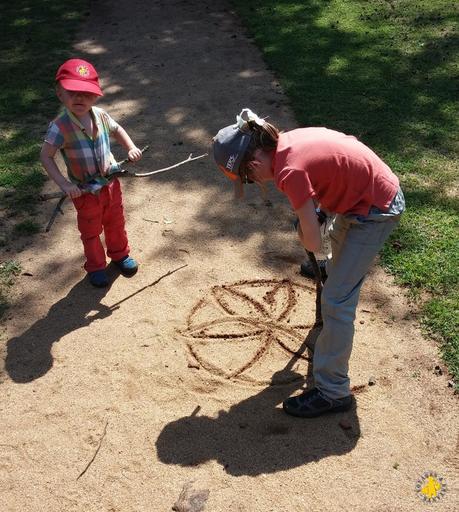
{"x": 128, "y": 160}
{"x": 62, "y": 196}
{"x": 95, "y": 453}
{"x": 156, "y": 281}
{"x": 52, "y": 195}
{"x": 57, "y": 209}
{"x": 189, "y": 159}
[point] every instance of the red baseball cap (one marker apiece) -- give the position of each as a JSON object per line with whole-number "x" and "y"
{"x": 79, "y": 75}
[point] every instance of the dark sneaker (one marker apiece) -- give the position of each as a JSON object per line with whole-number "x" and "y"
{"x": 306, "y": 269}
{"x": 128, "y": 266}
{"x": 313, "y": 403}
{"x": 98, "y": 278}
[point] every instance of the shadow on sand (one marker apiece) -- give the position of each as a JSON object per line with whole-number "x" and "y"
{"x": 29, "y": 355}
{"x": 255, "y": 436}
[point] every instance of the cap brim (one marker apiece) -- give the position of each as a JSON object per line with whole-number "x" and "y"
{"x": 228, "y": 174}
{"x": 81, "y": 86}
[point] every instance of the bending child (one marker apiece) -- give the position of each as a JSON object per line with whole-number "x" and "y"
{"x": 321, "y": 167}
{"x": 82, "y": 134}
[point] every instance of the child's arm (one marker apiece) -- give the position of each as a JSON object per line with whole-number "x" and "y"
{"x": 121, "y": 136}
{"x": 308, "y": 227}
{"x": 47, "y": 154}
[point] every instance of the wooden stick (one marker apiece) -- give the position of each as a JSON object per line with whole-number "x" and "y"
{"x": 51, "y": 195}
{"x": 128, "y": 160}
{"x": 189, "y": 159}
{"x": 96, "y": 452}
{"x": 156, "y": 281}
{"x": 62, "y": 196}
{"x": 57, "y": 209}
{"x": 59, "y": 195}
{"x": 319, "y": 285}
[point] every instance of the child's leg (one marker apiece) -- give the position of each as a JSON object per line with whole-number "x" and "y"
{"x": 354, "y": 247}
{"x": 113, "y": 222}
{"x": 89, "y": 219}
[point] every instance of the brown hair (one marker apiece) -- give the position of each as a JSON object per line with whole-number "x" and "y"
{"x": 263, "y": 137}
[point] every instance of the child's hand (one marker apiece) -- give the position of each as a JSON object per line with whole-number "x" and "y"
{"x": 135, "y": 154}
{"x": 71, "y": 190}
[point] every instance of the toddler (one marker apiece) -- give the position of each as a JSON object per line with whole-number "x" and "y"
{"x": 82, "y": 134}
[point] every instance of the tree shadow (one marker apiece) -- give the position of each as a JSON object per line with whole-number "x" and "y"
{"x": 361, "y": 81}
{"x": 255, "y": 436}
{"x": 29, "y": 356}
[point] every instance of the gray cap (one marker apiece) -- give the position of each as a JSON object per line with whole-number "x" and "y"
{"x": 230, "y": 145}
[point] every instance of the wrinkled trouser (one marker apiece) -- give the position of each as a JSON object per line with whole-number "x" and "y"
{"x": 355, "y": 242}
{"x": 97, "y": 213}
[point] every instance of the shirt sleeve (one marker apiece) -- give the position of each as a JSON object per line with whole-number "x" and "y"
{"x": 295, "y": 184}
{"x": 111, "y": 123}
{"x": 54, "y": 136}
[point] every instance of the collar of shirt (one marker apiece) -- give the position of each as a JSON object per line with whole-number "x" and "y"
{"x": 95, "y": 120}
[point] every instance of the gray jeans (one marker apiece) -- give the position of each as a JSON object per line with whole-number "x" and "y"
{"x": 355, "y": 242}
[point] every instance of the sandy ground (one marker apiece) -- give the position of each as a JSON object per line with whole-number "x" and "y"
{"x": 155, "y": 384}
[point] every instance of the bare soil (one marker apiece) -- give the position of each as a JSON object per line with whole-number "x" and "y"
{"x": 116, "y": 399}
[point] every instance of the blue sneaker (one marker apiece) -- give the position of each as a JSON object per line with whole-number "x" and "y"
{"x": 128, "y": 266}
{"x": 98, "y": 278}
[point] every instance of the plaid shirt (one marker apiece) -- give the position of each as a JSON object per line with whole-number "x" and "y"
{"x": 84, "y": 155}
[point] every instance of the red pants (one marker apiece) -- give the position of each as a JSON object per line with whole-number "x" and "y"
{"x": 97, "y": 213}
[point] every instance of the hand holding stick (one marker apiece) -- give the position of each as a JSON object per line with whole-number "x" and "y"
{"x": 319, "y": 286}
{"x": 62, "y": 196}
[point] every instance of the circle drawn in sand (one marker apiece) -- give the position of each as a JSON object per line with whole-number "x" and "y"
{"x": 250, "y": 330}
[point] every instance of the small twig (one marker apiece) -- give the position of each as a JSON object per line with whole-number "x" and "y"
{"x": 62, "y": 196}
{"x": 196, "y": 410}
{"x": 95, "y": 453}
{"x": 57, "y": 209}
{"x": 319, "y": 286}
{"x": 52, "y": 195}
{"x": 189, "y": 159}
{"x": 147, "y": 286}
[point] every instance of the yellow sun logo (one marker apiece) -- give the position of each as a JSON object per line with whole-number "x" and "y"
{"x": 430, "y": 487}
{"x": 82, "y": 70}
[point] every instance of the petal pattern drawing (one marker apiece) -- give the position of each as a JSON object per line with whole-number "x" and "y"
{"x": 224, "y": 328}
{"x": 235, "y": 302}
{"x": 249, "y": 330}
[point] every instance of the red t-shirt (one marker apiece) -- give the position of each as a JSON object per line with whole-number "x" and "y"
{"x": 341, "y": 173}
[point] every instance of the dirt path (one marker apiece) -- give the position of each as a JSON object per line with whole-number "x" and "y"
{"x": 165, "y": 383}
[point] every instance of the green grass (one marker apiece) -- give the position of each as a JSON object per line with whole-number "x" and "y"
{"x": 35, "y": 38}
{"x": 27, "y": 227}
{"x": 386, "y": 71}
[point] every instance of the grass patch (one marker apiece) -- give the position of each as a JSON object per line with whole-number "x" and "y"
{"x": 35, "y": 38}
{"x": 386, "y": 71}
{"x": 26, "y": 228}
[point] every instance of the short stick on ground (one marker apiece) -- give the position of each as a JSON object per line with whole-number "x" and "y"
{"x": 95, "y": 453}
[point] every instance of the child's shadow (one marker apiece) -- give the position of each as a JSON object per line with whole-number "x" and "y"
{"x": 29, "y": 355}
{"x": 255, "y": 436}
